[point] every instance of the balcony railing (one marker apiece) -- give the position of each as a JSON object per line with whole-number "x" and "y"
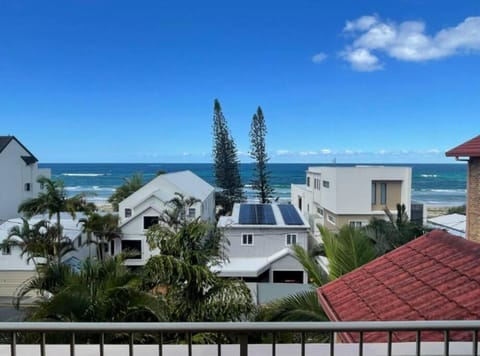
{"x": 71, "y": 333}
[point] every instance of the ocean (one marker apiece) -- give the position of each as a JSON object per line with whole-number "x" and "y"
{"x": 432, "y": 184}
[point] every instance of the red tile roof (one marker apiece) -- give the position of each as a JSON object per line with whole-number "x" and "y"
{"x": 470, "y": 148}
{"x": 435, "y": 277}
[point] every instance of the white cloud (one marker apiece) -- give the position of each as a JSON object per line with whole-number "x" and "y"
{"x": 283, "y": 152}
{"x": 326, "y": 151}
{"x": 308, "y": 153}
{"x": 361, "y": 24}
{"x": 362, "y": 60}
{"x": 407, "y": 41}
{"x": 319, "y": 58}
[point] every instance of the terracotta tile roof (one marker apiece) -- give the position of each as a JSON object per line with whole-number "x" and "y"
{"x": 435, "y": 277}
{"x": 471, "y": 148}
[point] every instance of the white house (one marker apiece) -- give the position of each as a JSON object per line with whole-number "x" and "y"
{"x": 18, "y": 176}
{"x": 143, "y": 208}
{"x": 335, "y": 196}
{"x": 15, "y": 269}
{"x": 260, "y": 237}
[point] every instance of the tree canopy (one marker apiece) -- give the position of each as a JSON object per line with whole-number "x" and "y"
{"x": 226, "y": 163}
{"x": 258, "y": 152}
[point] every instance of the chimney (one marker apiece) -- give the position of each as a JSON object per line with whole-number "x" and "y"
{"x": 470, "y": 152}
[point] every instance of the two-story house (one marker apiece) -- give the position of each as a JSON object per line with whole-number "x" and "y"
{"x": 259, "y": 240}
{"x": 143, "y": 209}
{"x": 18, "y": 176}
{"x": 335, "y": 196}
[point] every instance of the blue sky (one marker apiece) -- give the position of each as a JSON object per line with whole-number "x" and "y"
{"x": 356, "y": 81}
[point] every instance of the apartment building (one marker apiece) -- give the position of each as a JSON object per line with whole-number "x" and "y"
{"x": 335, "y": 196}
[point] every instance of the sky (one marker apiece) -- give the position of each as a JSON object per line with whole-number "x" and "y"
{"x": 369, "y": 81}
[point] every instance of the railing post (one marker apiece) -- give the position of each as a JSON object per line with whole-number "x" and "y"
{"x": 243, "y": 340}
{"x": 72, "y": 345}
{"x": 13, "y": 345}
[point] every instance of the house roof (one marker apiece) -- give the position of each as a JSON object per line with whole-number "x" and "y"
{"x": 435, "y": 277}
{"x": 454, "y": 222}
{"x": 250, "y": 266}
{"x": 5, "y": 141}
{"x": 234, "y": 221}
{"x": 471, "y": 148}
{"x": 189, "y": 182}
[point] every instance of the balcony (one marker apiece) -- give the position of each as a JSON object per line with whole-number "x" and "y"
{"x": 242, "y": 339}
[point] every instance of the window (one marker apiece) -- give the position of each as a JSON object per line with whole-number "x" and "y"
{"x": 374, "y": 193}
{"x": 149, "y": 221}
{"x": 356, "y": 224}
{"x": 320, "y": 211}
{"x": 6, "y": 250}
{"x": 128, "y": 212}
{"x": 79, "y": 240}
{"x": 133, "y": 248}
{"x": 112, "y": 247}
{"x": 300, "y": 203}
{"x": 308, "y": 208}
{"x": 247, "y": 239}
{"x": 383, "y": 193}
{"x": 331, "y": 218}
{"x": 316, "y": 184}
{"x": 308, "y": 181}
{"x": 191, "y": 213}
{"x": 291, "y": 239}
{"x": 326, "y": 184}
{"x": 27, "y": 187}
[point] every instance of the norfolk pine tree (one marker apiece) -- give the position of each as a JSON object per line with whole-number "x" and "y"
{"x": 226, "y": 164}
{"x": 258, "y": 152}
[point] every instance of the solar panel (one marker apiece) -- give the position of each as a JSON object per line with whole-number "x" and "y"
{"x": 290, "y": 214}
{"x": 256, "y": 214}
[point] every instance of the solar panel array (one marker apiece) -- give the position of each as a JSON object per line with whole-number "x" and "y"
{"x": 290, "y": 214}
{"x": 256, "y": 214}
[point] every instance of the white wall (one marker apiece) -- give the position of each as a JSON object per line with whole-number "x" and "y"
{"x": 14, "y": 173}
{"x": 267, "y": 241}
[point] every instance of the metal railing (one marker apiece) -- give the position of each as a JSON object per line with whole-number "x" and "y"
{"x": 240, "y": 331}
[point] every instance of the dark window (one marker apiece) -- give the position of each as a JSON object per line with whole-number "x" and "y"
{"x": 79, "y": 240}
{"x": 308, "y": 181}
{"x": 128, "y": 212}
{"x": 112, "y": 247}
{"x": 300, "y": 203}
{"x": 326, "y": 184}
{"x": 287, "y": 276}
{"x": 191, "y": 213}
{"x": 6, "y": 250}
{"x": 291, "y": 239}
{"x": 247, "y": 239}
{"x": 149, "y": 221}
{"x": 133, "y": 248}
{"x": 374, "y": 193}
{"x": 383, "y": 193}
{"x": 27, "y": 187}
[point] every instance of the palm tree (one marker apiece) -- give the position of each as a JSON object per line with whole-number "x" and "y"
{"x": 103, "y": 291}
{"x": 183, "y": 271}
{"x": 53, "y": 201}
{"x": 394, "y": 232}
{"x": 130, "y": 186}
{"x": 38, "y": 241}
{"x": 103, "y": 227}
{"x": 346, "y": 250}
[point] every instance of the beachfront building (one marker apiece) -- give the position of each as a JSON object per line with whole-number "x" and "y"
{"x": 259, "y": 240}
{"x": 335, "y": 196}
{"x": 18, "y": 176}
{"x": 470, "y": 152}
{"x": 15, "y": 269}
{"x": 143, "y": 209}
